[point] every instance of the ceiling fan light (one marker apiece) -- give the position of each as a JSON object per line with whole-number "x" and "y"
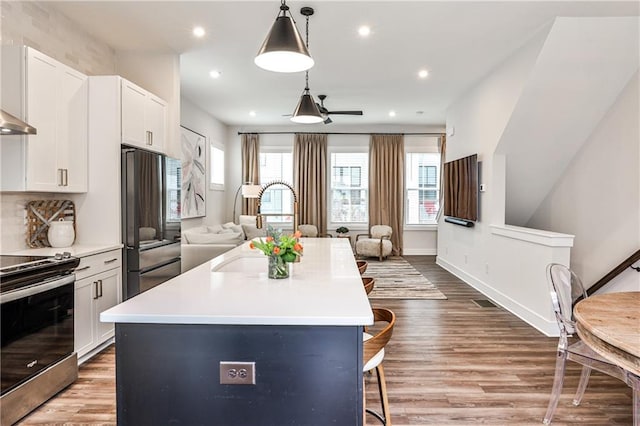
{"x": 307, "y": 111}
{"x": 284, "y": 50}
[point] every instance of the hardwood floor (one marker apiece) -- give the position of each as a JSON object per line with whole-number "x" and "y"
{"x": 449, "y": 362}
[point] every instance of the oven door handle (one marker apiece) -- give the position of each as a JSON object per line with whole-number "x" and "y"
{"x": 37, "y": 288}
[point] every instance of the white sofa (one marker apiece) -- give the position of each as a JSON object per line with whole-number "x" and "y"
{"x": 203, "y": 243}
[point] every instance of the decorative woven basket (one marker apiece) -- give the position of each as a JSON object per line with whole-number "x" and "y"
{"x": 40, "y": 213}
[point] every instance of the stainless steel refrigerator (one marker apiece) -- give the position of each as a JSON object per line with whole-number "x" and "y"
{"x": 150, "y": 219}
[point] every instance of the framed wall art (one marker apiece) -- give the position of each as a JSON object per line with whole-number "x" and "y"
{"x": 194, "y": 173}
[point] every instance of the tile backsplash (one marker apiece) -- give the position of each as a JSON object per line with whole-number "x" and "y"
{"x": 41, "y": 26}
{"x": 13, "y": 229}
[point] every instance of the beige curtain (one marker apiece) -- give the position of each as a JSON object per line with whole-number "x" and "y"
{"x": 386, "y": 185}
{"x": 442, "y": 149}
{"x": 250, "y": 169}
{"x": 310, "y": 179}
{"x": 150, "y": 199}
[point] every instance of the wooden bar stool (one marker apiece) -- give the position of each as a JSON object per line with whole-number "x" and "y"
{"x": 373, "y": 355}
{"x": 362, "y": 266}
{"x": 368, "y": 283}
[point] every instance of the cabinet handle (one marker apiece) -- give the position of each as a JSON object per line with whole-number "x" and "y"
{"x": 66, "y": 177}
{"x": 95, "y": 290}
{"x": 84, "y": 268}
{"x": 106, "y": 262}
{"x": 100, "y": 287}
{"x": 149, "y": 137}
{"x": 60, "y": 181}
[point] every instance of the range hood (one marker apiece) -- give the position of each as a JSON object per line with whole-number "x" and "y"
{"x": 10, "y": 125}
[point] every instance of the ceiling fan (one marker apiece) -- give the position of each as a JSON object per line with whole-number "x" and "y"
{"x": 325, "y": 112}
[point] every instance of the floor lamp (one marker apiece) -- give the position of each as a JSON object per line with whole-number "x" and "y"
{"x": 249, "y": 190}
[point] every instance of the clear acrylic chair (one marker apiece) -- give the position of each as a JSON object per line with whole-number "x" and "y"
{"x": 566, "y": 288}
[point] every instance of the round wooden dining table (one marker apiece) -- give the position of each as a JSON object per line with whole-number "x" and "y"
{"x": 610, "y": 324}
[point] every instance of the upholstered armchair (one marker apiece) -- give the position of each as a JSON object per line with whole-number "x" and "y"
{"x": 311, "y": 231}
{"x": 376, "y": 244}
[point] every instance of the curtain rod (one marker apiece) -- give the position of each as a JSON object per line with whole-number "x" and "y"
{"x": 339, "y": 133}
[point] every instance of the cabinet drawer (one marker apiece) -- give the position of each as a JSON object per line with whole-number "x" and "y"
{"x": 91, "y": 265}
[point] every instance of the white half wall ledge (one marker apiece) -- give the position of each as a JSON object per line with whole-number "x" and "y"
{"x": 419, "y": 252}
{"x": 535, "y": 320}
{"x": 536, "y": 236}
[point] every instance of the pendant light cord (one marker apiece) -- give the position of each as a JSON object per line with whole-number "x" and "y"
{"x": 284, "y": 9}
{"x": 306, "y": 73}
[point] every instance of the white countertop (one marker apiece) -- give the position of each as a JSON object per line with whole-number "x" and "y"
{"x": 325, "y": 288}
{"x": 75, "y": 250}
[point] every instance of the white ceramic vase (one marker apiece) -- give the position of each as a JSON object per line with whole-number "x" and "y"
{"x": 61, "y": 233}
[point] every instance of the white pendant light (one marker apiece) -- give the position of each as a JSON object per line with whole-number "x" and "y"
{"x": 307, "y": 111}
{"x": 283, "y": 50}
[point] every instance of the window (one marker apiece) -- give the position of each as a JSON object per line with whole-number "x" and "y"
{"x": 278, "y": 198}
{"x": 217, "y": 168}
{"x": 349, "y": 202}
{"x": 423, "y": 188}
{"x": 174, "y": 185}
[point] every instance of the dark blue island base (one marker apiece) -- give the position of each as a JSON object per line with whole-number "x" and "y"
{"x": 305, "y": 375}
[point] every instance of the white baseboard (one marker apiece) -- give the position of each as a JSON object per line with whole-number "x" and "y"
{"x": 95, "y": 351}
{"x": 420, "y": 251}
{"x": 548, "y": 328}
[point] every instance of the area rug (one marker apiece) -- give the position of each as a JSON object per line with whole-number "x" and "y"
{"x": 397, "y": 279}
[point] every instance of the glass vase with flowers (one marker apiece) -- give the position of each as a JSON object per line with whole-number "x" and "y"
{"x": 281, "y": 250}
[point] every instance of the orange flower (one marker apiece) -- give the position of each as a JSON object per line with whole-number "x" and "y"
{"x": 297, "y": 234}
{"x": 269, "y": 239}
{"x": 251, "y": 246}
{"x": 276, "y": 250}
{"x": 297, "y": 247}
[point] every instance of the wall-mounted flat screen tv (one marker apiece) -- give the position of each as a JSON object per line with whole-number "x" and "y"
{"x": 461, "y": 188}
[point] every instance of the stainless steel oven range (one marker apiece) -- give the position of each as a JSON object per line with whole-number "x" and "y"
{"x": 37, "y": 357}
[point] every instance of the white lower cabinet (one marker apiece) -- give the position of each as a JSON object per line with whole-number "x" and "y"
{"x": 98, "y": 288}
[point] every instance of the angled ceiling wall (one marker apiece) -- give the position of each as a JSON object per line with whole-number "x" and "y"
{"x": 582, "y": 67}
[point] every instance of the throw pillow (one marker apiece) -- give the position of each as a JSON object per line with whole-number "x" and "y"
{"x": 251, "y": 232}
{"x": 246, "y": 220}
{"x": 215, "y": 228}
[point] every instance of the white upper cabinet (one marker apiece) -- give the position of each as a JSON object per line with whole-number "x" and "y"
{"x": 143, "y": 117}
{"x": 53, "y": 98}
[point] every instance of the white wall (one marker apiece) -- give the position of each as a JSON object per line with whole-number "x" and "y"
{"x": 216, "y": 132}
{"x": 500, "y": 262}
{"x": 40, "y": 26}
{"x": 508, "y": 263}
{"x": 598, "y": 197}
{"x": 584, "y": 65}
{"x": 420, "y": 240}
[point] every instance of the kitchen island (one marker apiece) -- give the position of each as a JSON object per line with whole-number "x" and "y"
{"x": 303, "y": 335}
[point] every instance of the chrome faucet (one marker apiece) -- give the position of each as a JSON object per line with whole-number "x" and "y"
{"x": 295, "y": 205}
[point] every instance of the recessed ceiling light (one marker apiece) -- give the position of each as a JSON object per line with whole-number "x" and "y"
{"x": 215, "y": 74}
{"x": 364, "y": 31}
{"x": 392, "y": 113}
{"x": 198, "y": 32}
{"x": 423, "y": 73}
{"x": 252, "y": 113}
